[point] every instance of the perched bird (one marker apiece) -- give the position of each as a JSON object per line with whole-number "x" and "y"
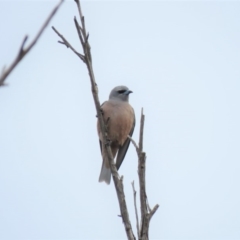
{"x": 120, "y": 118}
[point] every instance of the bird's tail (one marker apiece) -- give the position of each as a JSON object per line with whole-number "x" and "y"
{"x": 105, "y": 174}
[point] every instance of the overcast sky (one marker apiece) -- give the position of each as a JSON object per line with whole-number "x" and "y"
{"x": 181, "y": 59}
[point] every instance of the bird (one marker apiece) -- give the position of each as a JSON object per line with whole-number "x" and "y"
{"x": 120, "y": 118}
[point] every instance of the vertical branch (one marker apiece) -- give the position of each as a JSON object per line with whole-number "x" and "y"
{"x": 145, "y": 209}
{"x": 135, "y": 207}
{"x": 87, "y": 59}
{"x": 142, "y": 184}
{"x": 146, "y": 212}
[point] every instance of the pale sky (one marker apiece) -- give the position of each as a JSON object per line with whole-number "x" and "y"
{"x": 181, "y": 60}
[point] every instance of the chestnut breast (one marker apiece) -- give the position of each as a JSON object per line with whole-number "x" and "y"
{"x": 120, "y": 123}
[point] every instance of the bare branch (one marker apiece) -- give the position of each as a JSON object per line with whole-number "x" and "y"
{"x": 68, "y": 45}
{"x": 118, "y": 182}
{"x": 153, "y": 211}
{"x": 79, "y": 30}
{"x": 136, "y": 212}
{"x": 146, "y": 212}
{"x": 22, "y": 51}
{"x": 79, "y": 9}
{"x": 134, "y": 144}
{"x": 141, "y": 170}
{"x": 22, "y": 45}
{"x": 85, "y": 43}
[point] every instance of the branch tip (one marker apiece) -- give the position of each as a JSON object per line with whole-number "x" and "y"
{"x": 23, "y": 44}
{"x": 22, "y": 52}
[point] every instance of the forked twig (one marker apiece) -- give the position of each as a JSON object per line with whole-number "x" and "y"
{"x": 23, "y": 51}
{"x": 68, "y": 45}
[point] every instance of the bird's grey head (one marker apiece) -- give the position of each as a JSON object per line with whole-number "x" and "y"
{"x": 120, "y": 93}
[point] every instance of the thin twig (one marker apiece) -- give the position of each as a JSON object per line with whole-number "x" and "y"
{"x": 141, "y": 170}
{"x": 79, "y": 9}
{"x": 22, "y": 45}
{"x": 153, "y": 211}
{"x": 79, "y": 30}
{"x": 134, "y": 144}
{"x": 85, "y": 43}
{"x": 136, "y": 212}
{"x": 68, "y": 45}
{"x": 22, "y": 52}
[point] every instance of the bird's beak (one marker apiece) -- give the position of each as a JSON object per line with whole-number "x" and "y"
{"x": 128, "y": 92}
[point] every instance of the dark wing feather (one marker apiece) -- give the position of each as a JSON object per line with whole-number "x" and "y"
{"x": 123, "y": 149}
{"x": 100, "y": 143}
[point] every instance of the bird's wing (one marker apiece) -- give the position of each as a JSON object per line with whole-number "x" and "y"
{"x": 100, "y": 142}
{"x": 123, "y": 149}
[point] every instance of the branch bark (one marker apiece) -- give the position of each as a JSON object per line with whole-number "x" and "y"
{"x": 22, "y": 52}
{"x": 136, "y": 211}
{"x": 146, "y": 212}
{"x": 87, "y": 59}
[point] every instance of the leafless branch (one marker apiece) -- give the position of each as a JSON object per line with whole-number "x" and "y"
{"x": 118, "y": 182}
{"x": 134, "y": 144}
{"x": 146, "y": 212}
{"x": 145, "y": 215}
{"x": 68, "y": 45}
{"x": 153, "y": 211}
{"x": 22, "y": 52}
{"x": 136, "y": 212}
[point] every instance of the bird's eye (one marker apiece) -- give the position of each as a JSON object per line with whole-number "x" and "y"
{"x": 121, "y": 91}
